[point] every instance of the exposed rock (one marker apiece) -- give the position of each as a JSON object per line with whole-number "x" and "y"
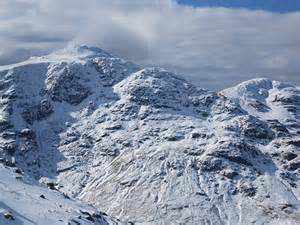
{"x": 42, "y": 196}
{"x": 63, "y": 84}
{"x": 293, "y": 165}
{"x": 9, "y": 135}
{"x": 229, "y": 173}
{"x": 278, "y": 128}
{"x": 27, "y": 134}
{"x": 247, "y": 189}
{"x": 8, "y": 216}
{"x": 211, "y": 164}
{"x": 4, "y": 124}
{"x": 289, "y": 156}
{"x": 10, "y": 148}
{"x": 51, "y": 186}
{"x": 37, "y": 112}
{"x": 294, "y": 142}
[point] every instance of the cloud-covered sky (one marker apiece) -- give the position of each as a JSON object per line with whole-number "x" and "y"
{"x": 214, "y": 47}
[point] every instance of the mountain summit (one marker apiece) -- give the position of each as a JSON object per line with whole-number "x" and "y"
{"x": 147, "y": 147}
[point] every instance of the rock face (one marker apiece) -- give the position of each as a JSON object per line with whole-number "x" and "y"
{"x": 148, "y": 147}
{"x": 63, "y": 84}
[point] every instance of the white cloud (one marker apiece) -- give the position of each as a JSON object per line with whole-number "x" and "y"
{"x": 214, "y": 47}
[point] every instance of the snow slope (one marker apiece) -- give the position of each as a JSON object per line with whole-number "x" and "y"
{"x": 24, "y": 201}
{"x": 147, "y": 147}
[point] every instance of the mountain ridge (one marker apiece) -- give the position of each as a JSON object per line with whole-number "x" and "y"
{"x": 146, "y": 146}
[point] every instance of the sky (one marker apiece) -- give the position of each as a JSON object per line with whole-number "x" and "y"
{"x": 212, "y": 43}
{"x": 278, "y": 6}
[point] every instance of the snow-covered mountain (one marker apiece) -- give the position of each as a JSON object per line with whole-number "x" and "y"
{"x": 147, "y": 147}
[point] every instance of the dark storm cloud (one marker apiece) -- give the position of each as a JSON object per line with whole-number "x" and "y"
{"x": 214, "y": 47}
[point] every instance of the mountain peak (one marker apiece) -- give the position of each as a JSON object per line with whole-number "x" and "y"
{"x": 71, "y": 53}
{"x": 78, "y": 52}
{"x": 85, "y": 50}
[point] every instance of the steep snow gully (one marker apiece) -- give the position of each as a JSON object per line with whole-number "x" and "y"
{"x": 89, "y": 138}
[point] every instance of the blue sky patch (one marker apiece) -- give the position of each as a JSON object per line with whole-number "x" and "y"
{"x": 279, "y": 6}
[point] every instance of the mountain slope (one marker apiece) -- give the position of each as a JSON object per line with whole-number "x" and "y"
{"x": 23, "y": 201}
{"x": 146, "y": 146}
